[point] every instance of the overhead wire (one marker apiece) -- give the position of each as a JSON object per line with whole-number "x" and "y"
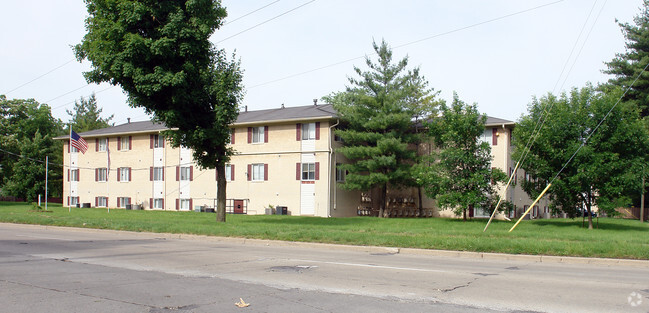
{"x": 408, "y": 43}
{"x": 40, "y": 76}
{"x": 240, "y": 17}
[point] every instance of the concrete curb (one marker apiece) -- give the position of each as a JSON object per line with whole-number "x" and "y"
{"x": 371, "y": 249}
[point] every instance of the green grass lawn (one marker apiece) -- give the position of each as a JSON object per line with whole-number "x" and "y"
{"x": 615, "y": 238}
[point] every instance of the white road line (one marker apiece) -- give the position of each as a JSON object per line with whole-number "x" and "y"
{"x": 374, "y": 266}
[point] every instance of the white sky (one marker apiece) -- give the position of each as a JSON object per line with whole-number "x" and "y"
{"x": 500, "y": 64}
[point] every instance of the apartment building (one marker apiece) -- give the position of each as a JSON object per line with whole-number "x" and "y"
{"x": 284, "y": 157}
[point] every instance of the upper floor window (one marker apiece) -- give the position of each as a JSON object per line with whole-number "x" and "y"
{"x": 185, "y": 173}
{"x": 257, "y": 172}
{"x": 73, "y": 175}
{"x": 102, "y": 143}
{"x": 157, "y": 141}
{"x": 101, "y": 174}
{"x": 340, "y": 173}
{"x": 308, "y": 131}
{"x": 73, "y": 149}
{"x": 229, "y": 175}
{"x": 124, "y": 174}
{"x": 258, "y": 135}
{"x": 157, "y": 173}
{"x": 308, "y": 171}
{"x": 124, "y": 143}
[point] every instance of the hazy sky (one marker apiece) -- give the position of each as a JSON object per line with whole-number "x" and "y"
{"x": 498, "y": 54}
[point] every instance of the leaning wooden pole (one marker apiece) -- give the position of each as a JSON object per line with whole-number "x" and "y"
{"x": 531, "y": 206}
{"x": 504, "y": 195}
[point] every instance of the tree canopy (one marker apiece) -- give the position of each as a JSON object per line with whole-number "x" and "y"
{"x": 604, "y": 169}
{"x": 629, "y": 65}
{"x": 86, "y": 115}
{"x": 159, "y": 53}
{"x": 459, "y": 175}
{"x": 378, "y": 110}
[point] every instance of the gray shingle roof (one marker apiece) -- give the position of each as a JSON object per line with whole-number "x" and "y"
{"x": 128, "y": 128}
{"x": 491, "y": 121}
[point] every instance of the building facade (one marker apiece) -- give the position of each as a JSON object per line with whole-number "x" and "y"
{"x": 284, "y": 157}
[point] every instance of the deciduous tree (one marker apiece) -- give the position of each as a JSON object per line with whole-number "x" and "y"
{"x": 160, "y": 54}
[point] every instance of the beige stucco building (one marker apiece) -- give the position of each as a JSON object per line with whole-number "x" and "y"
{"x": 284, "y": 157}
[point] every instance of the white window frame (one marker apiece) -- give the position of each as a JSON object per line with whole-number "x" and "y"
{"x": 123, "y": 202}
{"x": 158, "y": 203}
{"x": 124, "y": 174}
{"x": 258, "y": 134}
{"x": 257, "y": 172}
{"x": 102, "y": 174}
{"x": 158, "y": 141}
{"x": 185, "y": 173}
{"x": 340, "y": 174}
{"x": 102, "y": 202}
{"x": 158, "y": 173}
{"x": 125, "y": 144}
{"x": 74, "y": 175}
{"x": 308, "y": 171}
{"x": 74, "y": 201}
{"x": 73, "y": 149}
{"x": 184, "y": 204}
{"x": 308, "y": 131}
{"x": 228, "y": 172}
{"x": 101, "y": 144}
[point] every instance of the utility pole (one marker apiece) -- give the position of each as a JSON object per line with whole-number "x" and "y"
{"x": 47, "y": 161}
{"x": 642, "y": 199}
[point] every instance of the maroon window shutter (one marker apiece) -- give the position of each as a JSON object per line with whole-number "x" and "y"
{"x": 129, "y": 200}
{"x": 297, "y": 171}
{"x": 177, "y": 204}
{"x": 130, "y": 143}
{"x": 96, "y": 201}
{"x": 191, "y": 202}
{"x": 317, "y": 170}
{"x": 177, "y": 173}
{"x": 119, "y": 171}
{"x": 317, "y": 130}
{"x": 118, "y": 202}
{"x": 68, "y": 147}
{"x": 249, "y": 134}
{"x": 107, "y": 201}
{"x": 151, "y": 141}
{"x": 119, "y": 143}
{"x": 232, "y": 136}
{"x": 249, "y": 172}
{"x": 494, "y": 136}
{"x": 266, "y": 134}
{"x": 151, "y": 173}
{"x": 232, "y": 172}
{"x": 151, "y": 203}
{"x": 96, "y": 144}
{"x": 298, "y": 131}
{"x": 163, "y": 174}
{"x": 68, "y": 201}
{"x": 163, "y": 203}
{"x": 68, "y": 175}
{"x": 129, "y": 174}
{"x": 265, "y": 171}
{"x": 191, "y": 173}
{"x": 96, "y": 174}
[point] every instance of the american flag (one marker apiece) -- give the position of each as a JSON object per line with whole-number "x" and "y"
{"x": 78, "y": 142}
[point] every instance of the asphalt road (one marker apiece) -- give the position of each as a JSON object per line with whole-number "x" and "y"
{"x": 51, "y": 269}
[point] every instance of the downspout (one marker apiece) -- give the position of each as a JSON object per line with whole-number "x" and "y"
{"x": 331, "y": 137}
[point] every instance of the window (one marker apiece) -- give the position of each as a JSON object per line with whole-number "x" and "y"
{"x": 308, "y": 171}
{"x": 308, "y": 131}
{"x": 340, "y": 173}
{"x": 101, "y": 174}
{"x": 124, "y": 174}
{"x": 185, "y": 173}
{"x": 101, "y": 202}
{"x": 229, "y": 175}
{"x": 184, "y": 204}
{"x": 102, "y": 143}
{"x": 157, "y": 174}
{"x": 158, "y": 141}
{"x": 122, "y": 202}
{"x": 258, "y": 134}
{"x": 158, "y": 203}
{"x": 73, "y": 201}
{"x": 486, "y": 136}
{"x": 73, "y": 175}
{"x": 124, "y": 143}
{"x": 74, "y": 149}
{"x": 258, "y": 172}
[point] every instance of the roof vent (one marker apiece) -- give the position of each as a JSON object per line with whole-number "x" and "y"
{"x": 315, "y": 101}
{"x": 246, "y": 108}
{"x": 128, "y": 119}
{"x": 282, "y": 105}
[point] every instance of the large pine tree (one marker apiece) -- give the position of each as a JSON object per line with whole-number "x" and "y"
{"x": 378, "y": 110}
{"x": 625, "y": 67}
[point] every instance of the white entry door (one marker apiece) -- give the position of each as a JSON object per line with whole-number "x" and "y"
{"x": 307, "y": 199}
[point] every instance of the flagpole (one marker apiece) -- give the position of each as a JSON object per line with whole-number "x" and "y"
{"x": 47, "y": 161}
{"x": 70, "y": 170}
{"x": 107, "y": 174}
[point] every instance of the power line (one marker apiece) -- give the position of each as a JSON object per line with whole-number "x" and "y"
{"x": 266, "y": 21}
{"x": 35, "y": 79}
{"x": 240, "y": 17}
{"x": 67, "y": 93}
{"x": 409, "y": 43}
{"x": 66, "y": 104}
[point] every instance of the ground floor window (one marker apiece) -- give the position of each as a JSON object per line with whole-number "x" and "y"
{"x": 122, "y": 202}
{"x": 184, "y": 204}
{"x": 158, "y": 203}
{"x": 101, "y": 202}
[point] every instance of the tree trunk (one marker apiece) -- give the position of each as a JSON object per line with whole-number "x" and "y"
{"x": 220, "y": 193}
{"x": 421, "y": 208}
{"x": 382, "y": 198}
{"x": 464, "y": 211}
